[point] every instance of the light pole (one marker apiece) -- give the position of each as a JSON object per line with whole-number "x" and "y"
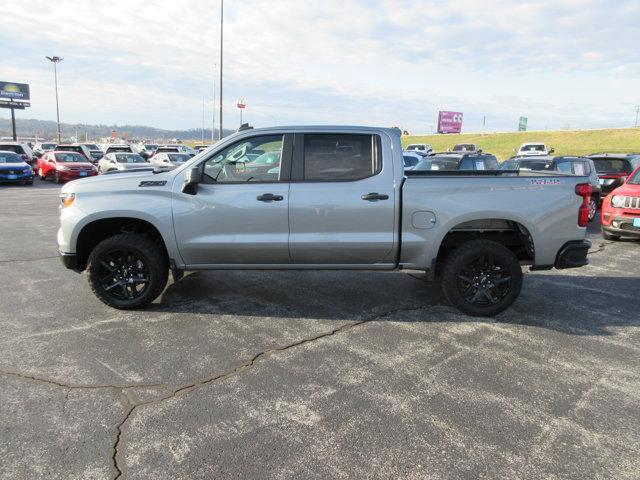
{"x": 221, "y": 39}
{"x": 55, "y": 61}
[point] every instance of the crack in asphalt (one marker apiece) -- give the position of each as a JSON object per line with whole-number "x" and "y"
{"x": 600, "y": 248}
{"x": 27, "y": 259}
{"x": 79, "y": 386}
{"x": 185, "y": 389}
{"x": 241, "y": 368}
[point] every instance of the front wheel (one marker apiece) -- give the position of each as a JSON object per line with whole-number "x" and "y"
{"x": 481, "y": 278}
{"x": 127, "y": 271}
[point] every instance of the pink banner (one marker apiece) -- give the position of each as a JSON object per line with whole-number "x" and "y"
{"x": 449, "y": 122}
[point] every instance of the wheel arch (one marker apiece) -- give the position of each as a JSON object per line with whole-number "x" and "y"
{"x": 97, "y": 230}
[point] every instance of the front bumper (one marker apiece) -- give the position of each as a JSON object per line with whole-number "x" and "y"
{"x": 573, "y": 254}
{"x": 622, "y": 225}
{"x": 67, "y": 175}
{"x": 70, "y": 260}
{"x": 19, "y": 177}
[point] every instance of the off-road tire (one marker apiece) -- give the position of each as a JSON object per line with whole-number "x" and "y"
{"x": 144, "y": 248}
{"x": 472, "y": 251}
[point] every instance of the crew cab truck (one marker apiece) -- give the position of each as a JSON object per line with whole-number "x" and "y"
{"x": 331, "y": 198}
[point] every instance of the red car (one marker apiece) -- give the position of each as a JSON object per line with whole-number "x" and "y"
{"x": 621, "y": 210}
{"x": 64, "y": 166}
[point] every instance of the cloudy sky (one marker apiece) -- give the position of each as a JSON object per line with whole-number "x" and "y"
{"x": 561, "y": 63}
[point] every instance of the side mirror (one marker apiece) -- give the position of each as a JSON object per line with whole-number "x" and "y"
{"x": 514, "y": 150}
{"x": 552, "y": 150}
{"x": 191, "y": 181}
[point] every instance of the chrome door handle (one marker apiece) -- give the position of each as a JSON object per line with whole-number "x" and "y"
{"x": 372, "y": 197}
{"x": 269, "y": 197}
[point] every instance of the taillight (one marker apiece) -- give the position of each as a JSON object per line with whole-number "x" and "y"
{"x": 583, "y": 190}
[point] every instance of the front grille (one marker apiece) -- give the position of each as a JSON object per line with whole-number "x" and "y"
{"x": 629, "y": 227}
{"x": 632, "y": 202}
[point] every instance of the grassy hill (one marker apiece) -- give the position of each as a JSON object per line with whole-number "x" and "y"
{"x": 577, "y": 142}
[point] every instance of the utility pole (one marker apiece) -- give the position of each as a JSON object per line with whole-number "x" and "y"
{"x": 637, "y": 112}
{"x": 55, "y": 60}
{"x": 213, "y": 108}
{"x": 202, "y": 130}
{"x": 221, "y": 40}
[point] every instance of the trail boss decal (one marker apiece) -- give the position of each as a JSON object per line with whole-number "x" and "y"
{"x": 153, "y": 183}
{"x": 545, "y": 181}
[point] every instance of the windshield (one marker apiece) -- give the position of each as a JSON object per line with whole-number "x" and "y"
{"x": 12, "y": 148}
{"x": 612, "y": 165}
{"x": 178, "y": 157}
{"x": 438, "y": 163}
{"x": 150, "y": 146}
{"x": 92, "y": 146}
{"x": 534, "y": 164}
{"x": 416, "y": 147}
{"x": 48, "y": 146}
{"x": 464, "y": 148}
{"x": 7, "y": 157}
{"x": 635, "y": 178}
{"x": 269, "y": 158}
{"x": 70, "y": 157}
{"x": 129, "y": 158}
{"x": 533, "y": 148}
{"x": 410, "y": 161}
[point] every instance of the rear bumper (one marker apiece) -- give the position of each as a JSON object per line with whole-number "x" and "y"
{"x": 69, "y": 260}
{"x": 573, "y": 254}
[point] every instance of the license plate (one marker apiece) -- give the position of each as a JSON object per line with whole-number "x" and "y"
{"x": 12, "y": 177}
{"x": 83, "y": 174}
{"x": 636, "y": 222}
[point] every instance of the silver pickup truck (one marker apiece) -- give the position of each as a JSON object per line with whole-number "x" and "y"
{"x": 333, "y": 198}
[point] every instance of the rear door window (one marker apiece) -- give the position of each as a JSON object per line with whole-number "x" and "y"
{"x": 612, "y": 165}
{"x": 340, "y": 157}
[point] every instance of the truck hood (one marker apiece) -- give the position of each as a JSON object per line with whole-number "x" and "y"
{"x": 127, "y": 180}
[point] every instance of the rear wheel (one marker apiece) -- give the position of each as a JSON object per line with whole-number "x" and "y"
{"x": 127, "y": 271}
{"x": 482, "y": 278}
{"x": 593, "y": 208}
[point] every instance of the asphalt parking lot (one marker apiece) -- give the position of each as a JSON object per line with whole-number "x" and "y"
{"x": 312, "y": 374}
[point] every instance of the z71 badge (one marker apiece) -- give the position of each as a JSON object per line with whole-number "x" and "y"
{"x": 153, "y": 183}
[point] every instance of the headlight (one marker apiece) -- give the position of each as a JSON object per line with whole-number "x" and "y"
{"x": 67, "y": 199}
{"x": 617, "y": 201}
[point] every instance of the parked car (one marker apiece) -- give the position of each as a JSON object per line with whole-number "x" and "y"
{"x": 533, "y": 149}
{"x": 582, "y": 166}
{"x": 168, "y": 160}
{"x": 411, "y": 159}
{"x": 94, "y": 150}
{"x": 458, "y": 161}
{"x": 614, "y": 168}
{"x": 146, "y": 150}
{"x": 21, "y": 149}
{"x": 78, "y": 148}
{"x": 621, "y": 210}
{"x": 61, "y": 166}
{"x": 14, "y": 169}
{"x": 121, "y": 161}
{"x": 419, "y": 147}
{"x": 118, "y": 148}
{"x": 199, "y": 148}
{"x": 175, "y": 149}
{"x": 466, "y": 147}
{"x": 43, "y": 147}
{"x": 340, "y": 199}
{"x": 528, "y": 162}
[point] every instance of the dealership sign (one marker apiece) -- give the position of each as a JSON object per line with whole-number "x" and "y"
{"x": 14, "y": 91}
{"x": 449, "y": 122}
{"x": 522, "y": 124}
